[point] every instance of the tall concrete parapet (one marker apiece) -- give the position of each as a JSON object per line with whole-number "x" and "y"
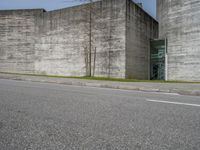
{"x": 114, "y": 41}
{"x": 179, "y": 23}
{"x": 140, "y": 29}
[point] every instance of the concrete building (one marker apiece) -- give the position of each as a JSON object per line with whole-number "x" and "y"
{"x": 114, "y": 41}
{"x": 179, "y": 24}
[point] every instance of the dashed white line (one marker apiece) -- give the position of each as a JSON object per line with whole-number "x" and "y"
{"x": 175, "y": 103}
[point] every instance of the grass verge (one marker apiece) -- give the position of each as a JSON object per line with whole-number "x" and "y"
{"x": 100, "y": 78}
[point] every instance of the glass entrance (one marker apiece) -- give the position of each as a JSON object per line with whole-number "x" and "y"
{"x": 157, "y": 59}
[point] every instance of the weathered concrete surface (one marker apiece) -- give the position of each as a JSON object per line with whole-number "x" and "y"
{"x": 57, "y": 42}
{"x": 180, "y": 24}
{"x": 109, "y": 38}
{"x": 18, "y": 33}
{"x": 64, "y": 37}
{"x": 140, "y": 28}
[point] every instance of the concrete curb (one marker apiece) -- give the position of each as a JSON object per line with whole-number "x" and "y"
{"x": 186, "y": 92}
{"x": 114, "y": 85}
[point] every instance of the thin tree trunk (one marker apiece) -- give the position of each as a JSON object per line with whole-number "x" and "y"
{"x": 94, "y": 63}
{"x": 90, "y": 39}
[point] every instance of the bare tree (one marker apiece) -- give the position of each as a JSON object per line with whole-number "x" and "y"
{"x": 90, "y": 17}
{"x": 90, "y": 50}
{"x": 88, "y": 47}
{"x": 90, "y": 38}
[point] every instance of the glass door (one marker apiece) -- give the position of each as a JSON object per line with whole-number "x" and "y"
{"x": 157, "y": 59}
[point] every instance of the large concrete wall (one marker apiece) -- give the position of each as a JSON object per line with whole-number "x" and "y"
{"x": 109, "y": 38}
{"x": 59, "y": 49}
{"x": 18, "y": 32}
{"x": 140, "y": 29}
{"x": 57, "y": 42}
{"x": 180, "y": 24}
{"x": 64, "y": 37}
{"x": 35, "y": 41}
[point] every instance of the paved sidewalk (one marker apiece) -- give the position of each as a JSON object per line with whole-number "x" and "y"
{"x": 180, "y": 88}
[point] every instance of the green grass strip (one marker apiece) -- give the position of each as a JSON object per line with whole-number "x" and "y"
{"x": 100, "y": 78}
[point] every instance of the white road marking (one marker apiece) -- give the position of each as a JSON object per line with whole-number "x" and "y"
{"x": 176, "y": 103}
{"x": 176, "y": 94}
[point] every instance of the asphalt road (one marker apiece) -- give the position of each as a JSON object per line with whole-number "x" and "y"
{"x": 55, "y": 117}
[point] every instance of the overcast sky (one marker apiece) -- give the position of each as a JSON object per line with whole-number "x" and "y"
{"x": 149, "y": 5}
